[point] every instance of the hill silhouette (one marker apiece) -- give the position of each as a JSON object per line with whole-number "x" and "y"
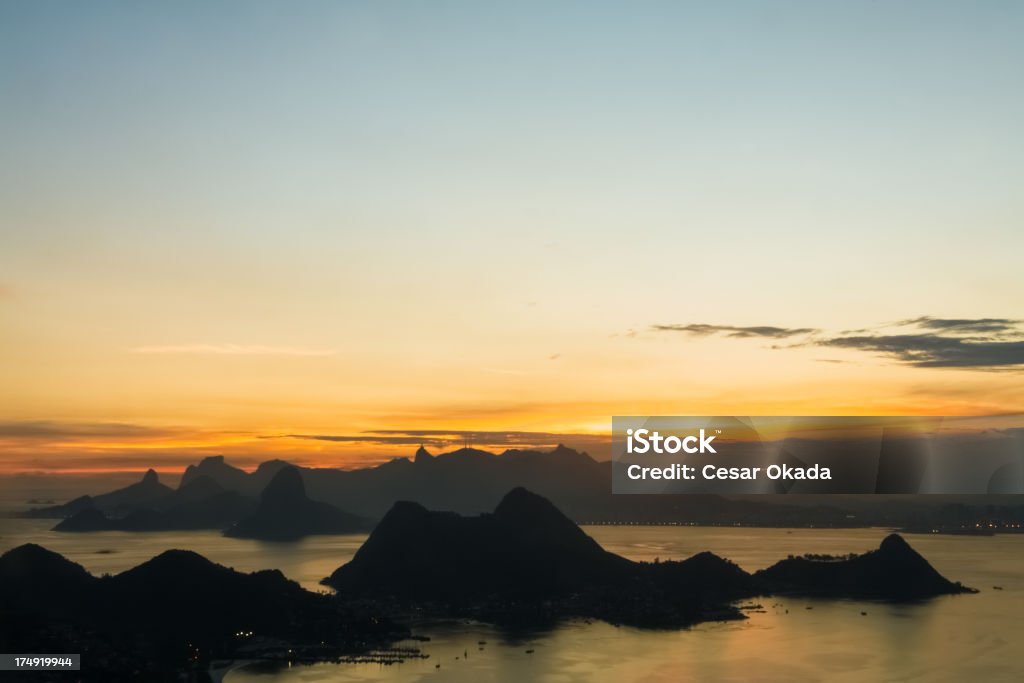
{"x": 232, "y": 478}
{"x": 142, "y": 493}
{"x": 525, "y": 563}
{"x": 526, "y": 547}
{"x": 200, "y": 504}
{"x": 468, "y": 480}
{"x": 286, "y": 513}
{"x": 894, "y": 571}
{"x": 527, "y": 553}
{"x": 174, "y": 612}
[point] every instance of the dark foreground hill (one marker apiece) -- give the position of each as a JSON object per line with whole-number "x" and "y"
{"x": 526, "y": 547}
{"x": 527, "y": 557}
{"x": 285, "y": 513}
{"x": 175, "y": 612}
{"x": 894, "y": 571}
{"x": 524, "y": 564}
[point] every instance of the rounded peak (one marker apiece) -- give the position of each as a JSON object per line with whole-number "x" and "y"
{"x": 408, "y": 506}
{"x": 708, "y": 561}
{"x": 404, "y": 510}
{"x": 518, "y": 493}
{"x": 32, "y": 560}
{"x": 172, "y": 564}
{"x": 895, "y": 543}
{"x": 31, "y": 551}
{"x": 526, "y": 505}
{"x": 178, "y": 555}
{"x": 286, "y": 486}
{"x": 151, "y": 477}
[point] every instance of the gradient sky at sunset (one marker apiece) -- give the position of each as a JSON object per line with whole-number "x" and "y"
{"x": 267, "y": 229}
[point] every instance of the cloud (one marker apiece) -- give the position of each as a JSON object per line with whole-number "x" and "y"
{"x": 936, "y": 351}
{"x": 979, "y": 343}
{"x": 364, "y": 438}
{"x": 233, "y": 350}
{"x": 976, "y": 325}
{"x": 765, "y": 331}
{"x": 445, "y": 438}
{"x": 52, "y": 429}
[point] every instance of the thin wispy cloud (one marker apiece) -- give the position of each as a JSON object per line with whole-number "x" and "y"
{"x": 233, "y": 350}
{"x": 52, "y": 429}
{"x": 369, "y": 438}
{"x": 765, "y": 331}
{"x": 924, "y": 342}
{"x": 975, "y": 325}
{"x": 447, "y": 438}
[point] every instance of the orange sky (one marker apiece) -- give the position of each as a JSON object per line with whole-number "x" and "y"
{"x": 434, "y": 222}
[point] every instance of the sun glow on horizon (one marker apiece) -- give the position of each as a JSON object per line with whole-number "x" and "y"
{"x": 410, "y": 221}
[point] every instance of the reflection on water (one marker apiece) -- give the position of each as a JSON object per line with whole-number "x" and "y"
{"x": 955, "y": 638}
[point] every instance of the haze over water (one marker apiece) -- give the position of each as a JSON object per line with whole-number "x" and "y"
{"x": 952, "y": 638}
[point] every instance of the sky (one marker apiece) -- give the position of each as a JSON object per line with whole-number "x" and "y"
{"x": 332, "y": 231}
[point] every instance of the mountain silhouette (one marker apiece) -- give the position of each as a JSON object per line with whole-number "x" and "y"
{"x": 523, "y": 564}
{"x": 175, "y": 611}
{"x": 42, "y": 575}
{"x": 526, "y": 546}
{"x": 286, "y": 513}
{"x": 894, "y": 571}
{"x": 200, "y": 504}
{"x": 143, "y": 493}
{"x": 528, "y": 553}
{"x": 90, "y": 519}
{"x": 468, "y": 480}
{"x": 232, "y": 478}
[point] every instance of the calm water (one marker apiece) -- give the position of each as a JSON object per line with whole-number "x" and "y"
{"x": 958, "y": 638}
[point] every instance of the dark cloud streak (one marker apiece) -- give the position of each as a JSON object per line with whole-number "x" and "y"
{"x": 978, "y": 343}
{"x": 936, "y": 351}
{"x": 50, "y": 429}
{"x": 977, "y": 325}
{"x": 765, "y": 331}
{"x": 449, "y": 437}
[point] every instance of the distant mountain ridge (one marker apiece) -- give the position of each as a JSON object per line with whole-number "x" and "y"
{"x": 198, "y": 504}
{"x": 467, "y": 480}
{"x": 285, "y": 513}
